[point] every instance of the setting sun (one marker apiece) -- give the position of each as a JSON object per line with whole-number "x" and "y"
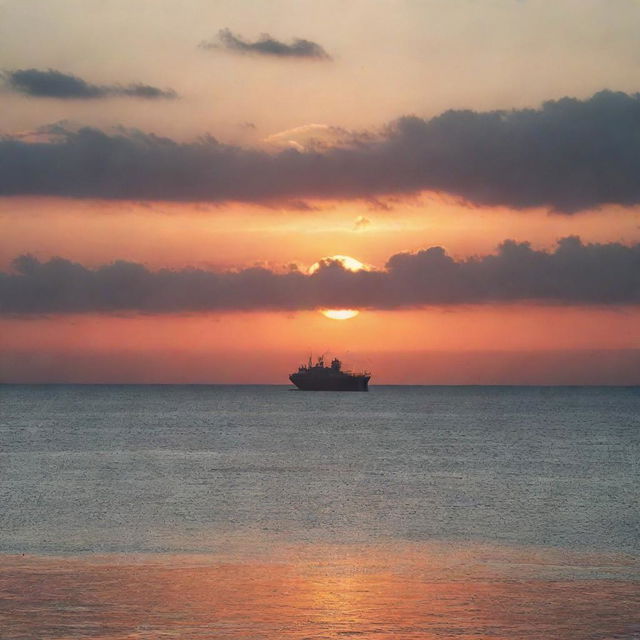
{"x": 340, "y": 314}
{"x": 350, "y": 264}
{"x": 347, "y": 262}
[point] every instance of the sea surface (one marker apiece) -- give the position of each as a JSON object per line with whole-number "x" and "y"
{"x": 260, "y": 512}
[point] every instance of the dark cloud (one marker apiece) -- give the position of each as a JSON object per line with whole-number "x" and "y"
{"x": 267, "y": 46}
{"x": 51, "y": 84}
{"x": 139, "y": 90}
{"x": 54, "y": 84}
{"x": 569, "y": 155}
{"x": 573, "y": 274}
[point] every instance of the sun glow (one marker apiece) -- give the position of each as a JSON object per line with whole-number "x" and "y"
{"x": 339, "y": 314}
{"x": 350, "y": 264}
{"x": 347, "y": 262}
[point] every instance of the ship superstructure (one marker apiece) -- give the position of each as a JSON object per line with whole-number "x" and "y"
{"x": 319, "y": 377}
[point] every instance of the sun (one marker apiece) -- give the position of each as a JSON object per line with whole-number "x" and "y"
{"x": 340, "y": 314}
{"x": 351, "y": 264}
{"x": 347, "y": 262}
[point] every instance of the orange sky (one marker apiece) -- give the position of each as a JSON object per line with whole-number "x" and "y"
{"x": 419, "y": 346}
{"x": 263, "y": 347}
{"x": 387, "y": 60}
{"x": 499, "y": 345}
{"x": 161, "y": 234}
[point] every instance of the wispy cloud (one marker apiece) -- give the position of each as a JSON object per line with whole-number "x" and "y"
{"x": 572, "y": 274}
{"x": 266, "y": 45}
{"x": 55, "y": 84}
{"x": 361, "y": 223}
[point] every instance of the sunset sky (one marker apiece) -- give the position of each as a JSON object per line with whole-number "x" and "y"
{"x": 170, "y": 172}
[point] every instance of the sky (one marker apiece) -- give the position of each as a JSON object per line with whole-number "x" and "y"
{"x": 171, "y": 171}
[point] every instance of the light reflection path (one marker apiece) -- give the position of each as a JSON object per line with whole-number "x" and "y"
{"x": 419, "y": 591}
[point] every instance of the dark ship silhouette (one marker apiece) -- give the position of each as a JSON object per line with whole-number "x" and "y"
{"x": 318, "y": 377}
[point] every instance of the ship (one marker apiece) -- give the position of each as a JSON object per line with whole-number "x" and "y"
{"x": 318, "y": 377}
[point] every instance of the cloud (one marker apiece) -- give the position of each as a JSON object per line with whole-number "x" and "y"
{"x": 569, "y": 155}
{"x": 361, "y": 223}
{"x": 54, "y": 84}
{"x": 139, "y": 90}
{"x": 312, "y": 138}
{"x": 267, "y": 46}
{"x": 572, "y": 274}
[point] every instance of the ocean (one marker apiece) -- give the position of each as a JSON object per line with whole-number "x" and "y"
{"x": 260, "y": 512}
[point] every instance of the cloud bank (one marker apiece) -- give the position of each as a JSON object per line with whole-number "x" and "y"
{"x": 572, "y": 274}
{"x": 569, "y": 155}
{"x": 54, "y": 84}
{"x": 267, "y": 46}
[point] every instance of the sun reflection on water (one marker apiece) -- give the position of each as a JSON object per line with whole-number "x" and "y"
{"x": 325, "y": 593}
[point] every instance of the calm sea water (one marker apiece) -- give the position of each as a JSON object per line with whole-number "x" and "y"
{"x": 258, "y": 493}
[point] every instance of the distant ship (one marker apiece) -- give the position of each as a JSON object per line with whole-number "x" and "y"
{"x": 318, "y": 377}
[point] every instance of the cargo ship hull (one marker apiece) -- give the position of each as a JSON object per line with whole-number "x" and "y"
{"x": 343, "y": 382}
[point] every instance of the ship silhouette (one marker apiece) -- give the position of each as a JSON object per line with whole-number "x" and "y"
{"x": 318, "y": 377}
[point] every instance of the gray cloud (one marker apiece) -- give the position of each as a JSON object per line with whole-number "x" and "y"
{"x": 569, "y": 155}
{"x": 54, "y": 84}
{"x": 267, "y": 46}
{"x": 572, "y": 274}
{"x": 139, "y": 90}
